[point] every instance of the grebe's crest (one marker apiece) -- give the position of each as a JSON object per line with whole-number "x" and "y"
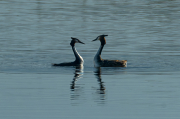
{"x": 102, "y": 39}
{"x": 75, "y": 40}
{"x": 99, "y": 37}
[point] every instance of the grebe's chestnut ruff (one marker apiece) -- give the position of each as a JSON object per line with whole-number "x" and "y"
{"x": 79, "y": 60}
{"x": 99, "y": 62}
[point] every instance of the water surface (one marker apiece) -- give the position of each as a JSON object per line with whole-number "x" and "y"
{"x": 34, "y": 34}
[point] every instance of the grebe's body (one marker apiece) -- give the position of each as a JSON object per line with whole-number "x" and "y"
{"x": 99, "y": 62}
{"x": 78, "y": 61}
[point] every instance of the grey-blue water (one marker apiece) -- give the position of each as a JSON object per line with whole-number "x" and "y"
{"x": 36, "y": 33}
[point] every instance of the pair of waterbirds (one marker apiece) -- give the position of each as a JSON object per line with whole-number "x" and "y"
{"x": 98, "y": 61}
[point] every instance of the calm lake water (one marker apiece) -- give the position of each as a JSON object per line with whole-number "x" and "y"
{"x": 36, "y": 33}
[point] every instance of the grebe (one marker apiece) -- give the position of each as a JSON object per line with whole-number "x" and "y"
{"x": 99, "y": 62}
{"x": 79, "y": 60}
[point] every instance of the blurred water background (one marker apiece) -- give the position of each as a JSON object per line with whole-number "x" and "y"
{"x": 36, "y": 33}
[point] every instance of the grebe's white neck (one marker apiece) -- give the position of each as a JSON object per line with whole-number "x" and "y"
{"x": 79, "y": 59}
{"x": 97, "y": 58}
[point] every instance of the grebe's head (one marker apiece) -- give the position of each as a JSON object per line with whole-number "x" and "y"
{"x": 102, "y": 39}
{"x": 75, "y": 40}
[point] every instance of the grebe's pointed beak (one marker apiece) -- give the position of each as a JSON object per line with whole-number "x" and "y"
{"x": 95, "y": 39}
{"x": 80, "y": 42}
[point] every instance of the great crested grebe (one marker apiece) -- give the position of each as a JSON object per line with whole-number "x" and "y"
{"x": 99, "y": 62}
{"x": 79, "y": 60}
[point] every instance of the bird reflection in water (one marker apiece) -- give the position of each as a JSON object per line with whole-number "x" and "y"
{"x": 76, "y": 90}
{"x": 77, "y": 74}
{"x": 97, "y": 73}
